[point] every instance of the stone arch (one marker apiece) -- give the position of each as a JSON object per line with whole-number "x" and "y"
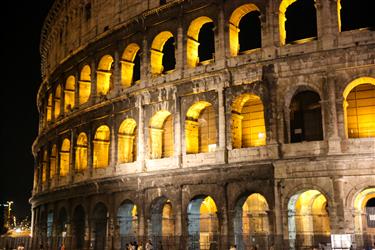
{"x": 235, "y": 31}
{"x": 248, "y": 123}
{"x": 104, "y": 75}
{"x": 195, "y": 44}
{"x": 359, "y": 114}
{"x": 158, "y": 51}
{"x": 69, "y": 93}
{"x": 127, "y": 146}
{"x": 308, "y": 218}
{"x": 200, "y": 128}
{"x": 84, "y": 84}
{"x": 45, "y": 177}
{"x": 251, "y": 221}
{"x": 65, "y": 158}
{"x": 53, "y": 162}
{"x": 78, "y": 227}
{"x": 57, "y": 102}
{"x": 49, "y": 108}
{"x": 203, "y": 224}
{"x": 61, "y": 226}
{"x": 130, "y": 65}
{"x": 127, "y": 219}
{"x": 307, "y": 10}
{"x": 81, "y": 152}
{"x": 99, "y": 226}
{"x": 101, "y": 147}
{"x": 161, "y": 135}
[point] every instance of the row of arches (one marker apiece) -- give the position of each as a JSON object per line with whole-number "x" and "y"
{"x": 247, "y": 126}
{"x": 308, "y": 222}
{"x": 244, "y": 35}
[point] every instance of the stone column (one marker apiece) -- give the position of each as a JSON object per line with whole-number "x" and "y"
{"x": 116, "y": 75}
{"x": 220, "y": 37}
{"x": 222, "y": 125}
{"x": 141, "y": 138}
{"x": 277, "y": 223}
{"x": 177, "y": 126}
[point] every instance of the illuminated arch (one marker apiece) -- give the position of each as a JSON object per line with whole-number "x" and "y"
{"x": 127, "y": 141}
{"x": 200, "y": 128}
{"x": 69, "y": 93}
{"x": 103, "y": 75}
{"x": 359, "y": 108}
{"x": 308, "y": 221}
{"x": 128, "y": 65}
{"x": 161, "y": 135}
{"x": 282, "y": 19}
{"x": 65, "y": 158}
{"x": 49, "y": 107}
{"x": 161, "y": 226}
{"x": 101, "y": 147}
{"x": 157, "y": 52}
{"x": 57, "y": 102}
{"x": 203, "y": 223}
{"x": 251, "y": 218}
{"x": 81, "y": 153}
{"x": 193, "y": 37}
{"x": 53, "y": 162}
{"x": 248, "y": 125}
{"x": 85, "y": 84}
{"x": 361, "y": 214}
{"x": 44, "y": 166}
{"x": 234, "y": 23}
{"x": 127, "y": 219}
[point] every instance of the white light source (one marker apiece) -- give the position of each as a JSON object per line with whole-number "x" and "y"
{"x": 211, "y": 147}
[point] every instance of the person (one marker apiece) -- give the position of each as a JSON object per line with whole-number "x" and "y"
{"x": 140, "y": 246}
{"x": 233, "y": 247}
{"x": 149, "y": 245}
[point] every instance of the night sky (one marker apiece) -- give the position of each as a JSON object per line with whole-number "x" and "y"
{"x": 21, "y": 22}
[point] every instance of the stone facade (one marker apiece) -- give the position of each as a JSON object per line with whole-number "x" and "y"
{"x": 340, "y": 168}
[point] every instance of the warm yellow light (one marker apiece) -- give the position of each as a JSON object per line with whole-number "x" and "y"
{"x": 208, "y": 206}
{"x": 85, "y": 84}
{"x": 254, "y": 215}
{"x": 282, "y": 19}
{"x": 101, "y": 147}
{"x": 49, "y": 107}
{"x": 234, "y": 22}
{"x": 157, "y": 52}
{"x": 158, "y": 134}
{"x": 104, "y": 74}
{"x": 57, "y": 101}
{"x": 53, "y": 163}
{"x": 126, "y": 141}
{"x": 81, "y": 153}
{"x": 65, "y": 158}
{"x": 69, "y": 93}
{"x": 127, "y": 64}
{"x": 192, "y": 42}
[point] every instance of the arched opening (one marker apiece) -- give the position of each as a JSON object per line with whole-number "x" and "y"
{"x": 359, "y": 108}
{"x": 364, "y": 218}
{"x": 127, "y": 219}
{"x": 99, "y": 227}
{"x": 163, "y": 53}
{"x": 251, "y": 223}
{"x": 308, "y": 220}
{"x": 200, "y": 128}
{"x": 161, "y": 135}
{"x": 61, "y": 227}
{"x": 245, "y": 29}
{"x": 50, "y": 224}
{"x": 248, "y": 126}
{"x": 57, "y": 102}
{"x": 201, "y": 41}
{"x": 65, "y": 158}
{"x": 49, "y": 107}
{"x": 85, "y": 84}
{"x": 203, "y": 225}
{"x": 101, "y": 147}
{"x": 130, "y": 65}
{"x": 81, "y": 153}
{"x": 78, "y": 228}
{"x": 104, "y": 75}
{"x": 127, "y": 146}
{"x": 69, "y": 93}
{"x": 53, "y": 162}
{"x": 305, "y": 117}
{"x": 355, "y": 14}
{"x": 297, "y": 21}
{"x": 162, "y": 224}
{"x": 44, "y": 167}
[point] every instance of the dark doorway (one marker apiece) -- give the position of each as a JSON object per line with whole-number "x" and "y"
{"x": 250, "y": 35}
{"x": 137, "y": 68}
{"x": 206, "y": 39}
{"x": 169, "y": 59}
{"x": 79, "y": 228}
{"x": 357, "y": 14}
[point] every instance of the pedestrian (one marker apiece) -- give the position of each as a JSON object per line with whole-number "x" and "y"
{"x": 233, "y": 247}
{"x": 149, "y": 245}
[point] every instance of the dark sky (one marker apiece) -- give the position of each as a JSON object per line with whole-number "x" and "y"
{"x": 21, "y": 22}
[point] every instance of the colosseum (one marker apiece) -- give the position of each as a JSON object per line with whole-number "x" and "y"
{"x": 204, "y": 124}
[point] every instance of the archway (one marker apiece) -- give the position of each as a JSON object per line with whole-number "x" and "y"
{"x": 49, "y": 108}
{"x": 248, "y": 125}
{"x": 245, "y": 23}
{"x": 99, "y": 227}
{"x": 305, "y": 117}
{"x": 162, "y": 223}
{"x": 127, "y": 146}
{"x": 78, "y": 228}
{"x": 81, "y": 153}
{"x": 203, "y": 225}
{"x": 85, "y": 84}
{"x": 69, "y": 93}
{"x": 355, "y": 14}
{"x": 251, "y": 223}
{"x": 130, "y": 65}
{"x": 104, "y": 75}
{"x": 293, "y": 13}
{"x": 364, "y": 218}
{"x": 101, "y": 147}
{"x": 161, "y": 135}
{"x": 163, "y": 53}
{"x": 65, "y": 158}
{"x": 57, "y": 102}
{"x": 308, "y": 220}
{"x": 200, "y": 128}
{"x": 359, "y": 108}
{"x": 127, "y": 219}
{"x": 61, "y": 227}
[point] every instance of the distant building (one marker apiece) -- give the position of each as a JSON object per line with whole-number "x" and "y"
{"x": 201, "y": 124}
